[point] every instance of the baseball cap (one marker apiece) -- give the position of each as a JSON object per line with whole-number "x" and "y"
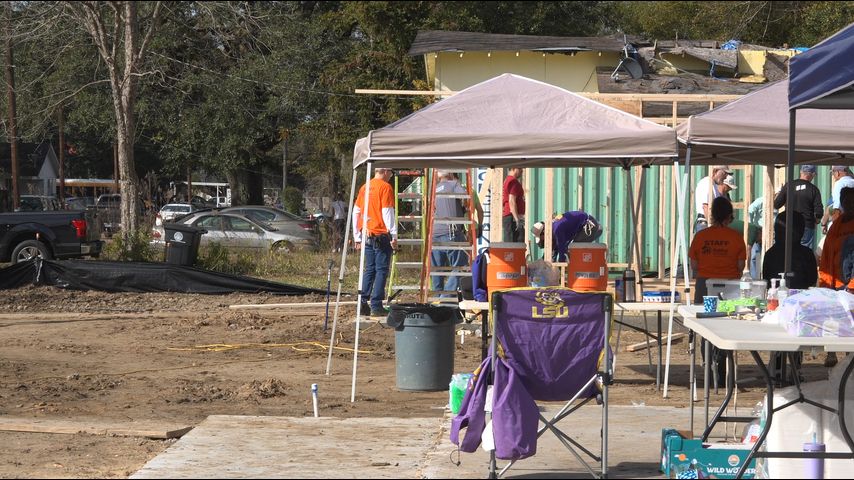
{"x": 841, "y": 168}
{"x": 808, "y": 168}
{"x": 722, "y": 167}
{"x": 730, "y": 182}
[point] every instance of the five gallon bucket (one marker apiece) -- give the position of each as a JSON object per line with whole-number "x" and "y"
{"x": 423, "y": 345}
{"x": 588, "y": 267}
{"x": 506, "y": 267}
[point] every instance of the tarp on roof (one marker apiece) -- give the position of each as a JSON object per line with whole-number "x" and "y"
{"x": 823, "y": 76}
{"x": 511, "y": 120}
{"x": 137, "y": 277}
{"x": 755, "y": 130}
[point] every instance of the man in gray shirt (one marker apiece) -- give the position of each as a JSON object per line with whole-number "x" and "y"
{"x": 446, "y": 232}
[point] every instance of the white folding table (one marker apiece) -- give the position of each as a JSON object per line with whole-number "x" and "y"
{"x": 732, "y": 335}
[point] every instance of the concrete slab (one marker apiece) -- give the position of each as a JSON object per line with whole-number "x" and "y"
{"x": 224, "y": 446}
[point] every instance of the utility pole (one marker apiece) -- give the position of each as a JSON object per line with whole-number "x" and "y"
{"x": 13, "y": 126}
{"x": 61, "y": 159}
{"x": 189, "y": 185}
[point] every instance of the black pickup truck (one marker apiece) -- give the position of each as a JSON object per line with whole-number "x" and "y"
{"x": 50, "y": 235}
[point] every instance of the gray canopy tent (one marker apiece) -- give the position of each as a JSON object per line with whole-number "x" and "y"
{"x": 505, "y": 121}
{"x": 754, "y": 130}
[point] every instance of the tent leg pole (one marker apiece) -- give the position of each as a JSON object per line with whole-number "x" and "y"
{"x": 680, "y": 249}
{"x": 361, "y": 276}
{"x": 790, "y": 192}
{"x": 341, "y": 270}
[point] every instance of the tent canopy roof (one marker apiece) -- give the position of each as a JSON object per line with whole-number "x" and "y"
{"x": 511, "y": 120}
{"x": 823, "y": 76}
{"x": 755, "y": 130}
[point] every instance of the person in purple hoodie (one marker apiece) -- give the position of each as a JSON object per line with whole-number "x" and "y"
{"x": 568, "y": 227}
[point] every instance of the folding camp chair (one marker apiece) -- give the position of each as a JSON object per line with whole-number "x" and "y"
{"x": 549, "y": 344}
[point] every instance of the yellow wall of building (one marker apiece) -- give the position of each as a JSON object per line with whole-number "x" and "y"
{"x": 452, "y": 72}
{"x": 752, "y": 62}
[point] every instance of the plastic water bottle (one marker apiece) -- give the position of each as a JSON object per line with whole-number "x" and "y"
{"x": 744, "y": 285}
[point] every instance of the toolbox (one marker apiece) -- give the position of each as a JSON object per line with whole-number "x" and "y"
{"x": 683, "y": 457}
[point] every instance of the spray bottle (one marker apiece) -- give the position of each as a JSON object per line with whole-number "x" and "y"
{"x": 772, "y": 301}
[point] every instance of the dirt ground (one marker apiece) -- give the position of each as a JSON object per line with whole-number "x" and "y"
{"x": 130, "y": 358}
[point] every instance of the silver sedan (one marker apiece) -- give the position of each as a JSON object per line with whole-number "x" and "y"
{"x": 238, "y": 231}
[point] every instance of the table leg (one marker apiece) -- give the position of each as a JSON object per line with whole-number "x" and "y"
{"x": 706, "y": 370}
{"x": 730, "y": 389}
{"x": 658, "y": 369}
{"x": 841, "y": 406}
{"x": 769, "y": 402}
{"x": 484, "y": 329}
{"x": 691, "y": 378}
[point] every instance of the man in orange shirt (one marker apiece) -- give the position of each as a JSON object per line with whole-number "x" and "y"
{"x": 830, "y": 271}
{"x": 381, "y": 239}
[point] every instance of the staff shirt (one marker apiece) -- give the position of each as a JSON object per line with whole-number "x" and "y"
{"x": 717, "y": 250}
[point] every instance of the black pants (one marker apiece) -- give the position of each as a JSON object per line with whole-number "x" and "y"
{"x": 511, "y": 233}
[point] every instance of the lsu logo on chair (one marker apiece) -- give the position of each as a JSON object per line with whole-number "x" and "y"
{"x": 550, "y": 306}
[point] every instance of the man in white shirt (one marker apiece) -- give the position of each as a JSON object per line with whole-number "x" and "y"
{"x": 339, "y": 222}
{"x": 706, "y": 191}
{"x": 842, "y": 178}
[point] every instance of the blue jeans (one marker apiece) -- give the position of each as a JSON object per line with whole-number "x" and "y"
{"x": 448, "y": 258}
{"x": 755, "y": 266}
{"x": 808, "y": 240}
{"x": 377, "y": 260}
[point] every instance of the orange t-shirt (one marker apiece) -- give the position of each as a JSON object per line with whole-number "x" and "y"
{"x": 717, "y": 250}
{"x": 830, "y": 266}
{"x": 381, "y": 197}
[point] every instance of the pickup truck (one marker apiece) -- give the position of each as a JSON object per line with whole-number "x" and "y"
{"x": 50, "y": 235}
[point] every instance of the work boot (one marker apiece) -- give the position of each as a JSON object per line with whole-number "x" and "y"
{"x": 366, "y": 308}
{"x": 830, "y": 360}
{"x": 379, "y": 312}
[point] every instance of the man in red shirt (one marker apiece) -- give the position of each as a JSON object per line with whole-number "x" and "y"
{"x": 381, "y": 239}
{"x": 513, "y": 215}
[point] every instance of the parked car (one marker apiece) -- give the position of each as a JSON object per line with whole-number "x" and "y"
{"x": 79, "y": 203}
{"x": 108, "y": 205}
{"x": 237, "y": 231}
{"x": 171, "y": 211}
{"x": 38, "y": 203}
{"x": 49, "y": 235}
{"x": 284, "y": 221}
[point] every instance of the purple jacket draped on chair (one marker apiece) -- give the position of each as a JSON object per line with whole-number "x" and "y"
{"x": 552, "y": 341}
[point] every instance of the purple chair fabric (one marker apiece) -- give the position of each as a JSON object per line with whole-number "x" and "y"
{"x": 552, "y": 340}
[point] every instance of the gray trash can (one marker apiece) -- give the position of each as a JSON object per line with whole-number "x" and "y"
{"x": 423, "y": 345}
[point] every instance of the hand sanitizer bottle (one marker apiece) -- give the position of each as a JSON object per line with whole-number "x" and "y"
{"x": 782, "y": 290}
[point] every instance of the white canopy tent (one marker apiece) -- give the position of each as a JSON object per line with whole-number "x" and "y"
{"x": 754, "y": 130}
{"x": 506, "y": 121}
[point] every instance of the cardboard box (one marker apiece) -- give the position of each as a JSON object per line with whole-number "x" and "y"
{"x": 691, "y": 458}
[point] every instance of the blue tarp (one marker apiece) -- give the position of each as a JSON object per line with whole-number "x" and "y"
{"x": 822, "y": 70}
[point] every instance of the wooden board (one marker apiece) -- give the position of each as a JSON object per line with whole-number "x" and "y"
{"x": 651, "y": 343}
{"x": 263, "y": 306}
{"x": 93, "y": 427}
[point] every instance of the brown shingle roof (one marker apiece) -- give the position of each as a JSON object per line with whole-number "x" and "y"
{"x": 439, "y": 41}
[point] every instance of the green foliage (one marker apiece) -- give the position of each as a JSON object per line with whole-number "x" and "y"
{"x": 770, "y": 24}
{"x": 292, "y": 200}
{"x": 221, "y": 259}
{"x": 135, "y": 247}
